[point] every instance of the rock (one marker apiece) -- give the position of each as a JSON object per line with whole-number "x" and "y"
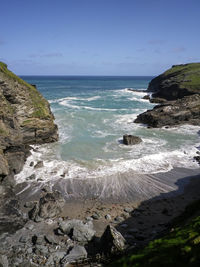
{"x": 146, "y": 97}
{"x": 38, "y": 165}
{"x": 119, "y": 219}
{"x": 131, "y": 139}
{"x": 78, "y": 231}
{"x": 157, "y": 100}
{"x": 197, "y": 158}
{"x": 38, "y": 239}
{"x": 96, "y": 216}
{"x": 177, "y": 82}
{"x": 108, "y": 217}
{"x": 50, "y": 239}
{"x": 128, "y": 209}
{"x": 180, "y": 88}
{"x": 29, "y": 205}
{"x": 25, "y": 119}
{"x": 31, "y": 164}
{"x": 182, "y": 111}
{"x": 112, "y": 242}
{"x": 77, "y": 253}
{"x": 57, "y": 256}
{"x": 49, "y": 206}
{"x": 24, "y": 239}
{"x": 4, "y": 261}
{"x": 31, "y": 177}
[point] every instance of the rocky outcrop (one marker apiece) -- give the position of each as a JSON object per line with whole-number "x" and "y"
{"x": 25, "y": 119}
{"x": 177, "y": 82}
{"x": 184, "y": 110}
{"x": 49, "y": 206}
{"x": 131, "y": 139}
{"x": 178, "y": 89}
{"x": 112, "y": 242}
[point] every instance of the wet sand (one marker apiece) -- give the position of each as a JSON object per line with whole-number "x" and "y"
{"x": 139, "y": 218}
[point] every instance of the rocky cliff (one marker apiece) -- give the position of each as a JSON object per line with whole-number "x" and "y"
{"x": 177, "y": 82}
{"x": 179, "y": 91}
{"x": 25, "y": 119}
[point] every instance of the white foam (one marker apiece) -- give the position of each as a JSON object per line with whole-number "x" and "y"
{"x": 153, "y": 163}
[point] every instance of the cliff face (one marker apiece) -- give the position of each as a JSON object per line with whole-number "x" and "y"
{"x": 25, "y": 119}
{"x": 179, "y": 89}
{"x": 177, "y": 82}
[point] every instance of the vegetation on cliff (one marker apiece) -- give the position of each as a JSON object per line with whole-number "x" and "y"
{"x": 178, "y": 248}
{"x": 177, "y": 82}
{"x": 179, "y": 91}
{"x": 25, "y": 118}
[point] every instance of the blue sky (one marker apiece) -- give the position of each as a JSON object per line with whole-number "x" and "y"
{"x": 98, "y": 37}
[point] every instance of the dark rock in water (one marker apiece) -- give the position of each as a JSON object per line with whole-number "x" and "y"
{"x": 31, "y": 177}
{"x": 184, "y": 110}
{"x": 49, "y": 206}
{"x": 197, "y": 158}
{"x": 76, "y": 254}
{"x": 39, "y": 164}
{"x": 146, "y": 97}
{"x": 131, "y": 139}
{"x": 157, "y": 100}
{"x": 112, "y": 242}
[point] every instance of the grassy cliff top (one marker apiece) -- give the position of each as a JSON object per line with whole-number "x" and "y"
{"x": 37, "y": 101}
{"x": 185, "y": 76}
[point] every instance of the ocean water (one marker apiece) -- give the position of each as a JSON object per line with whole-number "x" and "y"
{"x": 93, "y": 114}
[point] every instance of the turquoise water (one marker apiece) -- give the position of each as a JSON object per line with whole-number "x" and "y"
{"x": 92, "y": 114}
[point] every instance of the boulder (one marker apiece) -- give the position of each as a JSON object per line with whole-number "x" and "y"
{"x": 49, "y": 206}
{"x": 76, "y": 254}
{"x": 131, "y": 139}
{"x": 112, "y": 242}
{"x": 182, "y": 111}
{"x": 78, "y": 231}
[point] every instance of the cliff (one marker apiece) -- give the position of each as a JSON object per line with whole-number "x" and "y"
{"x": 179, "y": 91}
{"x": 25, "y": 119}
{"x": 177, "y": 82}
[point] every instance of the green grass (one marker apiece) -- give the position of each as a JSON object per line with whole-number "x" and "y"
{"x": 178, "y": 248}
{"x": 40, "y": 105}
{"x": 188, "y": 75}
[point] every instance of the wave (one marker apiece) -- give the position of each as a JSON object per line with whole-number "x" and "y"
{"x": 154, "y": 163}
{"x": 92, "y": 98}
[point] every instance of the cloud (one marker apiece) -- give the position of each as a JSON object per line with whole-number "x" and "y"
{"x": 179, "y": 49}
{"x": 48, "y": 55}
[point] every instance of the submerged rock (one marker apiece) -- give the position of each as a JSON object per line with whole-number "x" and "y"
{"x": 131, "y": 139}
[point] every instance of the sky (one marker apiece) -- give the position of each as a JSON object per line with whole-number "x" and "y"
{"x": 98, "y": 37}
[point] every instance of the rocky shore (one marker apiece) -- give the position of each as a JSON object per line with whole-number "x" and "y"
{"x": 44, "y": 229}
{"x": 178, "y": 89}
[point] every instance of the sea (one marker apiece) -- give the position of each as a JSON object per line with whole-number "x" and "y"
{"x": 93, "y": 113}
